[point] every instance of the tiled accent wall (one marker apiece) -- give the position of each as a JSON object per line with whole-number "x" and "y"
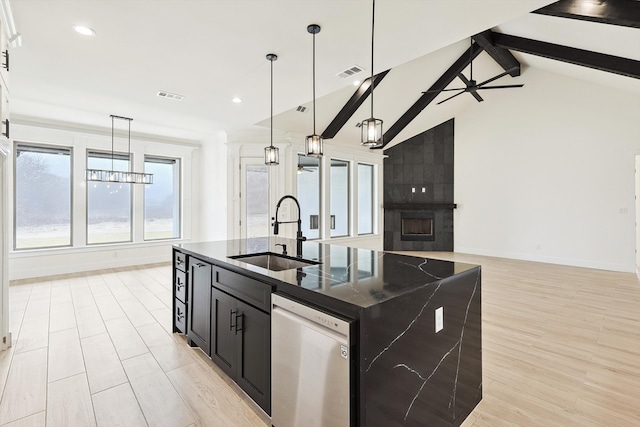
{"x": 423, "y": 161}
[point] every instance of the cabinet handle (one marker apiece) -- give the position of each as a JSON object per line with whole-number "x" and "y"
{"x": 239, "y": 321}
{"x": 6, "y": 122}
{"x": 232, "y": 314}
{"x": 200, "y": 265}
{"x": 179, "y": 285}
{"x": 179, "y": 262}
{"x": 6, "y": 63}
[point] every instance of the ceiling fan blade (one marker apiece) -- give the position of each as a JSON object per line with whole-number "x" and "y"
{"x": 443, "y": 90}
{"x": 497, "y": 77}
{"x": 499, "y": 87}
{"x": 451, "y": 97}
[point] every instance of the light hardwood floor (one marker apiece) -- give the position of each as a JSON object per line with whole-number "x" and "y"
{"x": 561, "y": 347}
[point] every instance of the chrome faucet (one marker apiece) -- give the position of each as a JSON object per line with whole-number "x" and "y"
{"x": 276, "y": 224}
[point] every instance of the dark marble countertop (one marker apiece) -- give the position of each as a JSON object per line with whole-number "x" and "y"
{"x": 360, "y": 278}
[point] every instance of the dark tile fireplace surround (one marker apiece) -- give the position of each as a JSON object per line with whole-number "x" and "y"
{"x": 418, "y": 192}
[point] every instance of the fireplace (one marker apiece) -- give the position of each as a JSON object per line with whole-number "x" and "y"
{"x": 418, "y": 226}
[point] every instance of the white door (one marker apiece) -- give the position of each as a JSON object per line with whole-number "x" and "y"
{"x": 254, "y": 198}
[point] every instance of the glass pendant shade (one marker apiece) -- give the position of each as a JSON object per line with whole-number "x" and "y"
{"x": 313, "y": 145}
{"x": 271, "y": 155}
{"x": 371, "y": 132}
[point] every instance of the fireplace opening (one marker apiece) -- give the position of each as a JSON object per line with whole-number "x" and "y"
{"x": 417, "y": 226}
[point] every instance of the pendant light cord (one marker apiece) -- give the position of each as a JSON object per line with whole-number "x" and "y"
{"x": 130, "y": 168}
{"x": 271, "y": 103}
{"x": 112, "y": 118}
{"x": 314, "y": 83}
{"x": 373, "y": 23}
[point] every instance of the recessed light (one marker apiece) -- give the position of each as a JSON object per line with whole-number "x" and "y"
{"x": 236, "y": 100}
{"x": 85, "y": 31}
{"x": 356, "y": 82}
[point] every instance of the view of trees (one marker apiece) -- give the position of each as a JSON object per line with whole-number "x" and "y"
{"x": 43, "y": 189}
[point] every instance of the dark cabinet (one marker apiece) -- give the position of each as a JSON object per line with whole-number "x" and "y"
{"x": 179, "y": 292}
{"x": 226, "y": 314}
{"x": 241, "y": 345}
{"x": 223, "y": 334}
{"x": 253, "y": 369}
{"x": 199, "y": 310}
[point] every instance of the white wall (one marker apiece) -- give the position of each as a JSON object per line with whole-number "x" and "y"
{"x": 546, "y": 173}
{"x": 81, "y": 257}
{"x": 211, "y": 176}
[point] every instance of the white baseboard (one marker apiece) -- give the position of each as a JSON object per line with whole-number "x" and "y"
{"x": 610, "y": 266}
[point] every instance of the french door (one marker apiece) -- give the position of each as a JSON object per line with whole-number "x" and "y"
{"x": 254, "y": 198}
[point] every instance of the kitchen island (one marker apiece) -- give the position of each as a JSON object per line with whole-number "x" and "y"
{"x": 415, "y": 343}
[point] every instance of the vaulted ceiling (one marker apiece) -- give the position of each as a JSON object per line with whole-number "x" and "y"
{"x": 210, "y": 51}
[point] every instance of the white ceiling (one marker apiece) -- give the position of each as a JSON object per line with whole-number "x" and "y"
{"x": 212, "y": 50}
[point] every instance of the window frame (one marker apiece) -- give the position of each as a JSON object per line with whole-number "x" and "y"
{"x": 120, "y": 156}
{"x": 320, "y": 224}
{"x": 177, "y": 182}
{"x": 52, "y": 149}
{"x": 372, "y": 194}
{"x": 350, "y": 210}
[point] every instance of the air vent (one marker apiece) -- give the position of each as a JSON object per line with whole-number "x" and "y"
{"x": 351, "y": 71}
{"x": 301, "y": 109}
{"x": 169, "y": 95}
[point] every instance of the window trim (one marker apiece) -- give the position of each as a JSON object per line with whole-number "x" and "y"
{"x": 45, "y": 149}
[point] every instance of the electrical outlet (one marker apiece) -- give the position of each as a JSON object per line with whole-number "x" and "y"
{"x": 413, "y": 189}
{"x": 439, "y": 319}
{"x": 424, "y": 190}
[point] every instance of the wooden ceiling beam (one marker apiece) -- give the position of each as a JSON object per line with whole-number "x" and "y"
{"x": 352, "y": 105}
{"x": 625, "y": 13}
{"x": 599, "y": 61}
{"x": 461, "y": 63}
{"x": 502, "y": 56}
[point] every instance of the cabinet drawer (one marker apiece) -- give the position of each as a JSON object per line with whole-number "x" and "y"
{"x": 180, "y": 260}
{"x": 181, "y": 316}
{"x": 244, "y": 288}
{"x": 180, "y": 285}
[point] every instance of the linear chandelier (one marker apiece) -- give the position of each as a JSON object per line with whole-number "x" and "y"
{"x": 128, "y": 177}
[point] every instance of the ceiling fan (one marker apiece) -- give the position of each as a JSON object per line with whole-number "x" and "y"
{"x": 471, "y": 86}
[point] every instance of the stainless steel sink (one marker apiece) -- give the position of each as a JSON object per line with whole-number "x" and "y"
{"x": 273, "y": 261}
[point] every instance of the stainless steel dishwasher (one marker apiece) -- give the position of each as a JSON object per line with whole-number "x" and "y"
{"x": 310, "y": 359}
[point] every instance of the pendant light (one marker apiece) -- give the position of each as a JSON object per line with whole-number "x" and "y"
{"x": 128, "y": 177}
{"x": 313, "y": 143}
{"x": 371, "y": 128}
{"x": 271, "y": 153}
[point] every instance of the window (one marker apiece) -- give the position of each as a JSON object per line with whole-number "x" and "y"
{"x": 309, "y": 195}
{"x": 365, "y": 199}
{"x": 42, "y": 197}
{"x": 162, "y": 199}
{"x": 108, "y": 204}
{"x": 339, "y": 198}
